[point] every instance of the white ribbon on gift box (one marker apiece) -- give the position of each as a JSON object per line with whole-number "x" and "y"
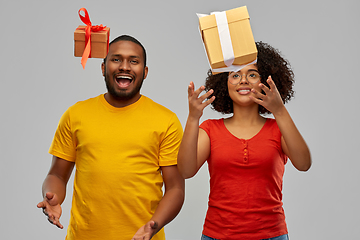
{"x": 226, "y": 44}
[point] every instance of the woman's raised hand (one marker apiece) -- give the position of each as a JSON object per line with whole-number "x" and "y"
{"x": 271, "y": 100}
{"x": 198, "y": 103}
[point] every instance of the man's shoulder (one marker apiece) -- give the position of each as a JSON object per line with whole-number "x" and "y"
{"x": 152, "y": 105}
{"x": 86, "y": 103}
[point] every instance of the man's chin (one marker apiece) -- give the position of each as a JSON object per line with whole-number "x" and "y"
{"x": 122, "y": 95}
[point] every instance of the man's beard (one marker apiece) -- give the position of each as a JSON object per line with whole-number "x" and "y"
{"x": 122, "y": 95}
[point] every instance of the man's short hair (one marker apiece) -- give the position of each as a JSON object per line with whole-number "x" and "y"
{"x": 131, "y": 39}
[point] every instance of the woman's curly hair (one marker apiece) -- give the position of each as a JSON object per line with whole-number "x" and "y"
{"x": 269, "y": 62}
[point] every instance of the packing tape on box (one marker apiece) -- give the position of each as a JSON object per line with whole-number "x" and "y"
{"x": 225, "y": 39}
{"x": 226, "y": 44}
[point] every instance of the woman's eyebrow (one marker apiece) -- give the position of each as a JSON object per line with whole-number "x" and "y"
{"x": 249, "y": 70}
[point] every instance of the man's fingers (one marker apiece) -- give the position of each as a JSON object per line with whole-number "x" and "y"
{"x": 55, "y": 221}
{"x": 154, "y": 226}
{"x": 49, "y": 195}
{"x": 44, "y": 211}
{"x": 40, "y": 205}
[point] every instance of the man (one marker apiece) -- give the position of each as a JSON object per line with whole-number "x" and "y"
{"x": 124, "y": 147}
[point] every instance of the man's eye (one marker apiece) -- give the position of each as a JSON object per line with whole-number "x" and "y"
{"x": 116, "y": 60}
{"x": 134, "y": 62}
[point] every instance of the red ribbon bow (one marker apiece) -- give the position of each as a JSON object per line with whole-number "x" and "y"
{"x": 88, "y": 29}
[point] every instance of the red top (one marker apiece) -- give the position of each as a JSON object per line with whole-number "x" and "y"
{"x": 246, "y": 178}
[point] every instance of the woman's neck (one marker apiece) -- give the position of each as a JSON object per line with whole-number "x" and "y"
{"x": 248, "y": 115}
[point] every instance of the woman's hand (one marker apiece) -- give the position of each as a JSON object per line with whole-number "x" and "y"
{"x": 271, "y": 100}
{"x": 196, "y": 103}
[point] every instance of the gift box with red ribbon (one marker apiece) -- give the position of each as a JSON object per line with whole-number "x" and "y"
{"x": 90, "y": 41}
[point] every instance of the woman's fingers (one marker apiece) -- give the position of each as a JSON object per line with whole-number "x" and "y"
{"x": 206, "y": 95}
{"x": 271, "y": 83}
{"x": 191, "y": 89}
{"x": 195, "y": 94}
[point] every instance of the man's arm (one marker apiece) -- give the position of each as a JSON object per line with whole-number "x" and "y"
{"x": 169, "y": 205}
{"x": 54, "y": 189}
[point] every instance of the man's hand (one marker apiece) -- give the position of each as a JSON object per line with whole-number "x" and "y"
{"x": 146, "y": 232}
{"x": 51, "y": 208}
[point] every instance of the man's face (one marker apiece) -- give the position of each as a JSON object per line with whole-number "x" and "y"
{"x": 124, "y": 72}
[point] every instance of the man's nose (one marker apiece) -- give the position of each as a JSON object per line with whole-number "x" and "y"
{"x": 125, "y": 65}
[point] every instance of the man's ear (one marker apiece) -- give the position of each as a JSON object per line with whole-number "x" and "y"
{"x": 103, "y": 68}
{"x": 146, "y": 69}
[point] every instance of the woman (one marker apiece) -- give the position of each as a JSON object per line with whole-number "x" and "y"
{"x": 246, "y": 153}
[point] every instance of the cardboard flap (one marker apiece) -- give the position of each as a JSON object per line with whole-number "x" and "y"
{"x": 232, "y": 15}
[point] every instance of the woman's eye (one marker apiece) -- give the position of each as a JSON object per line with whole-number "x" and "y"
{"x": 236, "y": 76}
{"x": 253, "y": 75}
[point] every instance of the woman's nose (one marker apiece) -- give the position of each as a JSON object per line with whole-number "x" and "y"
{"x": 243, "y": 78}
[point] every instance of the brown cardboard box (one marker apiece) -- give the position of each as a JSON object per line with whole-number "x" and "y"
{"x": 242, "y": 39}
{"x": 99, "y": 42}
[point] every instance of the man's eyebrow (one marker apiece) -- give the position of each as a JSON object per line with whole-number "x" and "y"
{"x": 119, "y": 55}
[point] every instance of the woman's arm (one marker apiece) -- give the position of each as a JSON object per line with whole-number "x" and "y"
{"x": 195, "y": 145}
{"x": 293, "y": 144}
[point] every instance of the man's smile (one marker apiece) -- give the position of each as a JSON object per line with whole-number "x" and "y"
{"x": 124, "y": 80}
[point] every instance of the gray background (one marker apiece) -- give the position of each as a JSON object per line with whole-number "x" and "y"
{"x": 40, "y": 79}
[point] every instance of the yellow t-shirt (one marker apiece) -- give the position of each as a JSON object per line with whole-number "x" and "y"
{"x": 118, "y": 153}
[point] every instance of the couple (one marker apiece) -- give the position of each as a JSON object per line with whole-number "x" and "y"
{"x": 125, "y": 147}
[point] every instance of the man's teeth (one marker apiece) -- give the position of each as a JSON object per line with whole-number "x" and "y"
{"x": 126, "y": 77}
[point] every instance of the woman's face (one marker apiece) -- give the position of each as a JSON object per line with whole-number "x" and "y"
{"x": 240, "y": 84}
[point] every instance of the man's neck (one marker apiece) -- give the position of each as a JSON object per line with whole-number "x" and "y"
{"x": 121, "y": 103}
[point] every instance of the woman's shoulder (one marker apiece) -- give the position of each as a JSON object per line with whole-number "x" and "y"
{"x": 271, "y": 122}
{"x": 212, "y": 121}
{"x": 212, "y": 125}
{"x": 271, "y": 125}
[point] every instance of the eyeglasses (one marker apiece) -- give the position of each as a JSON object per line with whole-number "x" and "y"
{"x": 251, "y": 76}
